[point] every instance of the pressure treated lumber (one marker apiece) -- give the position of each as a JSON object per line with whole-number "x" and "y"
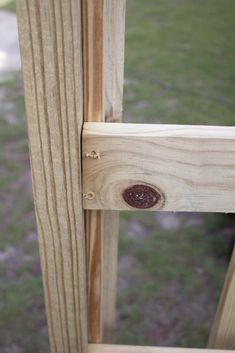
{"x": 103, "y": 37}
{"x": 223, "y": 330}
{"x": 191, "y": 167}
{"x": 93, "y": 111}
{"x": 51, "y": 49}
{"x": 114, "y": 39}
{"x": 100, "y": 348}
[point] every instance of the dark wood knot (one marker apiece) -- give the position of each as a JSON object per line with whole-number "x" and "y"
{"x": 142, "y": 196}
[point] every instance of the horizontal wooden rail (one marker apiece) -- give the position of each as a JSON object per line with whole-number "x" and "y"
{"x": 159, "y": 167}
{"x": 102, "y": 348}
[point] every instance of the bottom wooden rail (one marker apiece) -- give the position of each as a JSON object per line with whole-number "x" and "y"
{"x": 106, "y": 348}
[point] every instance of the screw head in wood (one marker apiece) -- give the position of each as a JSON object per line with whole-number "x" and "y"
{"x": 90, "y": 195}
{"x": 142, "y": 196}
{"x": 93, "y": 154}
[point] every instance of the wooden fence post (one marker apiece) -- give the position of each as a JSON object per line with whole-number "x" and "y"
{"x": 51, "y": 51}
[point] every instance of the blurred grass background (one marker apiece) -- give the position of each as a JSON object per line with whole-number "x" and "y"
{"x": 179, "y": 69}
{"x": 179, "y": 61}
{"x": 8, "y": 5}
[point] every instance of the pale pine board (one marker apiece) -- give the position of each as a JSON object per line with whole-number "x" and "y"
{"x": 114, "y": 39}
{"x": 193, "y": 167}
{"x": 94, "y": 111}
{"x": 50, "y": 44}
{"x": 100, "y": 348}
{"x": 103, "y": 37}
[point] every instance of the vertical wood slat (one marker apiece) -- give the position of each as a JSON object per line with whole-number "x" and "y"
{"x": 93, "y": 111}
{"x": 50, "y": 42}
{"x": 104, "y": 22}
{"x": 222, "y": 335}
{"x": 114, "y": 39}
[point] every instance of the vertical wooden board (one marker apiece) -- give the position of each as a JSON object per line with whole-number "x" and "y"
{"x": 223, "y": 330}
{"x": 94, "y": 232}
{"x": 50, "y": 45}
{"x": 93, "y": 60}
{"x": 109, "y": 270}
{"x": 114, "y": 39}
{"x": 103, "y": 80}
{"x": 94, "y": 111}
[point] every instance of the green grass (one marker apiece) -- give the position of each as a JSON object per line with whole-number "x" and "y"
{"x": 179, "y": 61}
{"x": 22, "y": 315}
{"x": 166, "y": 277}
{"x": 22, "y": 321}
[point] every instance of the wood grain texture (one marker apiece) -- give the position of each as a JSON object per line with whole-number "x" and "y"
{"x": 51, "y": 47}
{"x": 101, "y": 348}
{"x": 103, "y": 80}
{"x": 94, "y": 111}
{"x": 94, "y": 235}
{"x": 109, "y": 270}
{"x": 93, "y": 22}
{"x": 223, "y": 330}
{"x": 192, "y": 167}
{"x": 114, "y": 39}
